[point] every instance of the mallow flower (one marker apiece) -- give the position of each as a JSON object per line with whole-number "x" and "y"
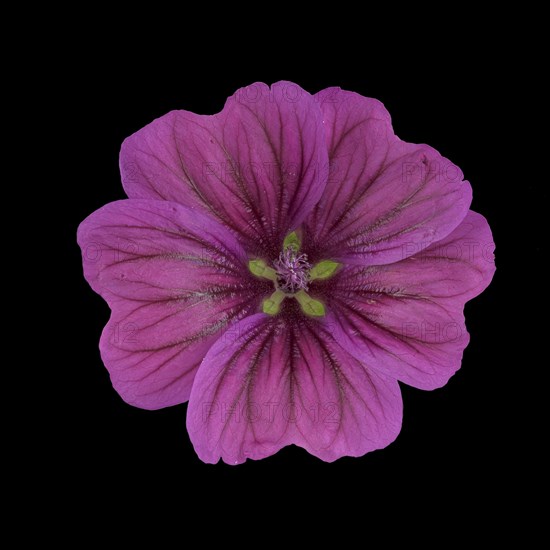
{"x": 283, "y": 265}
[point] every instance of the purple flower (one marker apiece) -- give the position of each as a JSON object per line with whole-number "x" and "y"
{"x": 281, "y": 265}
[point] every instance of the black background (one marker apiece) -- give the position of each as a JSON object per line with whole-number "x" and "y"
{"x": 455, "y": 442}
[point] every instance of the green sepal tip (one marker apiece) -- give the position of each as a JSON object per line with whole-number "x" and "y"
{"x": 261, "y": 269}
{"x": 292, "y": 240}
{"x": 323, "y": 270}
{"x": 272, "y": 305}
{"x": 310, "y": 306}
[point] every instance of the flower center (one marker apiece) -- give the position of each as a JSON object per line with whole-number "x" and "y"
{"x": 291, "y": 277}
{"x": 292, "y": 271}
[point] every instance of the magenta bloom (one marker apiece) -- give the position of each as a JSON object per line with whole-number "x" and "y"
{"x": 282, "y": 265}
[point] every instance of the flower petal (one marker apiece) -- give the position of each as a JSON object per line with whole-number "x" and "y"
{"x": 175, "y": 280}
{"x": 406, "y": 319}
{"x": 382, "y": 194}
{"x": 259, "y": 166}
{"x": 280, "y": 382}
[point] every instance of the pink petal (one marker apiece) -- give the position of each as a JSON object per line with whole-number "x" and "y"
{"x": 383, "y": 195}
{"x": 175, "y": 280}
{"x": 259, "y": 166}
{"x": 281, "y": 382}
{"x": 406, "y": 319}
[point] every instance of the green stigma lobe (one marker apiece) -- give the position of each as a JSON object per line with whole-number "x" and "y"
{"x": 311, "y": 307}
{"x": 272, "y": 304}
{"x": 261, "y": 269}
{"x": 323, "y": 270}
{"x": 292, "y": 240}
